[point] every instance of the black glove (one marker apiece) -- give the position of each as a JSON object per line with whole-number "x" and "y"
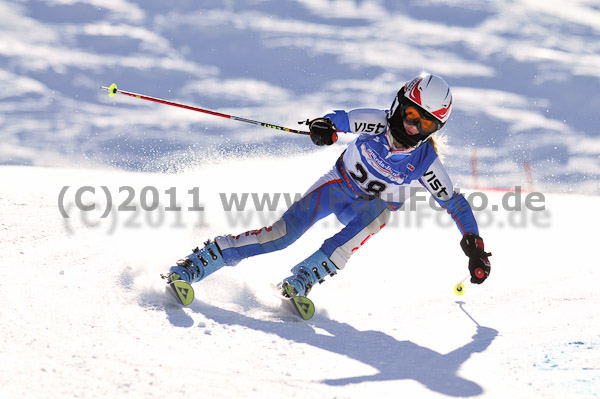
{"x": 479, "y": 265}
{"x": 322, "y": 131}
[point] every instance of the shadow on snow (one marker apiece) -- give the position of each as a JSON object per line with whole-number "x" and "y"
{"x": 394, "y": 359}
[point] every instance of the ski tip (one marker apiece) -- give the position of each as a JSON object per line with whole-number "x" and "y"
{"x": 112, "y": 90}
{"x": 304, "y": 306}
{"x": 184, "y": 292}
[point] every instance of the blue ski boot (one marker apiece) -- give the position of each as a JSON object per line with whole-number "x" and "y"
{"x": 196, "y": 266}
{"x": 306, "y": 273}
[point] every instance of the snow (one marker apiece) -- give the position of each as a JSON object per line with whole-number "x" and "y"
{"x": 83, "y": 312}
{"x": 87, "y": 316}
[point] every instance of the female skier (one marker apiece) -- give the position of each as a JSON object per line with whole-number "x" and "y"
{"x": 393, "y": 153}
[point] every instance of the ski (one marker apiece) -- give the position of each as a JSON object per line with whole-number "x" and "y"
{"x": 182, "y": 291}
{"x": 299, "y": 306}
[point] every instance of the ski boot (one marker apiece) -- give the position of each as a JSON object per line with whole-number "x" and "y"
{"x": 196, "y": 266}
{"x": 306, "y": 273}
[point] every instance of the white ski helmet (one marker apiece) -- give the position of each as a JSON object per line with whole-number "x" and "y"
{"x": 431, "y": 93}
{"x": 426, "y": 102}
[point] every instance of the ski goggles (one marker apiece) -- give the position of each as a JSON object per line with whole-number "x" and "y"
{"x": 426, "y": 124}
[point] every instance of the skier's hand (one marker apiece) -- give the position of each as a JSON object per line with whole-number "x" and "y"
{"x": 479, "y": 269}
{"x": 479, "y": 264}
{"x": 322, "y": 131}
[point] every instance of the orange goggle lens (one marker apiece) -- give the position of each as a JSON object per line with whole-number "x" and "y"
{"x": 412, "y": 116}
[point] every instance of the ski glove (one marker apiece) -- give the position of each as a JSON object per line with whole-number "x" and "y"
{"x": 322, "y": 131}
{"x": 479, "y": 265}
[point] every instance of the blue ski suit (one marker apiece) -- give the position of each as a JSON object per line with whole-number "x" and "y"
{"x": 369, "y": 180}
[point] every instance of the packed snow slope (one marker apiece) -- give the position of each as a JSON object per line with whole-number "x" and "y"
{"x": 100, "y": 195}
{"x": 84, "y": 313}
{"x": 524, "y": 73}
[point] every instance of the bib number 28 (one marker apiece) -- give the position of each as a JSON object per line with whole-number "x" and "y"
{"x": 372, "y": 186}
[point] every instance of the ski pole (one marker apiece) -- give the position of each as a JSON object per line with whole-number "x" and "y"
{"x": 459, "y": 288}
{"x": 113, "y": 90}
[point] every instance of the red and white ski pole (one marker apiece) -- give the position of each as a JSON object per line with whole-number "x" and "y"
{"x": 113, "y": 90}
